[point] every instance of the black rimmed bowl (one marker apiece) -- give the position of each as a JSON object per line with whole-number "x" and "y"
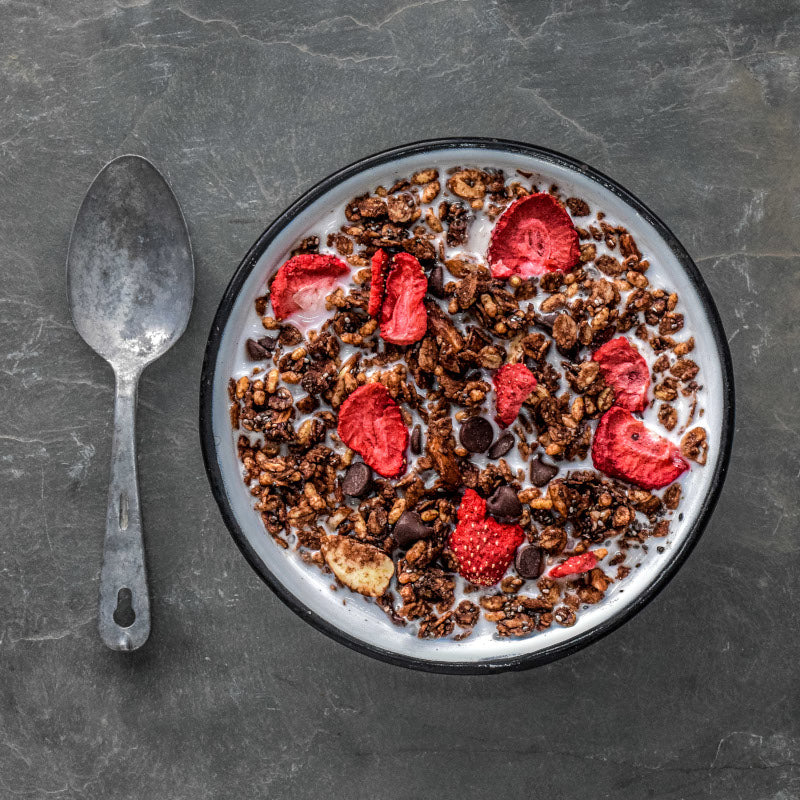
{"x": 353, "y": 620}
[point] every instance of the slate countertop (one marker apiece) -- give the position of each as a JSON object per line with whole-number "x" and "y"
{"x": 243, "y": 105}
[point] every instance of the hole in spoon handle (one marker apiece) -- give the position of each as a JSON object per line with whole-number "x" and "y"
{"x": 124, "y": 615}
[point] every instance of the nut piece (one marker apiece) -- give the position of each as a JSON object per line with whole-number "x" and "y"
{"x": 424, "y": 176}
{"x": 565, "y": 332}
{"x": 694, "y": 445}
{"x": 428, "y": 194}
{"x": 467, "y": 184}
{"x": 553, "y": 539}
{"x": 359, "y": 566}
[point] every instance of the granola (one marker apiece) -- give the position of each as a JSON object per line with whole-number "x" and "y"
{"x": 411, "y": 368}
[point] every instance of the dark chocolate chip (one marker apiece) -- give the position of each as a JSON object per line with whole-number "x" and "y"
{"x": 529, "y": 562}
{"x": 476, "y": 434}
{"x": 255, "y": 352}
{"x": 603, "y": 335}
{"x": 504, "y": 505}
{"x": 436, "y": 282}
{"x": 502, "y": 445}
{"x": 409, "y": 529}
{"x": 357, "y": 480}
{"x": 545, "y": 321}
{"x": 416, "y": 440}
{"x": 541, "y": 473}
{"x": 268, "y": 343}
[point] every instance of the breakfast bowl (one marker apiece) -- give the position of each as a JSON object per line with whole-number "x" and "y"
{"x": 692, "y": 399}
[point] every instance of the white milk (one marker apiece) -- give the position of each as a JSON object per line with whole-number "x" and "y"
{"x": 331, "y": 221}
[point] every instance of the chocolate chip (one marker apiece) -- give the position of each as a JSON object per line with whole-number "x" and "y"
{"x": 357, "y": 480}
{"x": 416, "y": 440}
{"x": 502, "y": 445}
{"x": 255, "y": 352}
{"x": 504, "y": 505}
{"x": 529, "y": 562}
{"x": 476, "y": 434}
{"x": 268, "y": 343}
{"x": 409, "y": 529}
{"x": 436, "y": 282}
{"x": 541, "y": 473}
{"x": 545, "y": 321}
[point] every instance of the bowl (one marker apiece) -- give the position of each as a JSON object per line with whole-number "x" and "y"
{"x": 356, "y": 622}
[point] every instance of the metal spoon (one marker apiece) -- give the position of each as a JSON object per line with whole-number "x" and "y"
{"x": 130, "y": 279}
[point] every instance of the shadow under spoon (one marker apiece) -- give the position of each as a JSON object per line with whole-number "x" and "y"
{"x": 130, "y": 281}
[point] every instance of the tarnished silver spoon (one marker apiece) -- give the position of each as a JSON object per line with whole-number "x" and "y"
{"x": 130, "y": 279}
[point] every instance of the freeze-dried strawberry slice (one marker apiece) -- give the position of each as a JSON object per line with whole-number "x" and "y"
{"x": 472, "y": 507}
{"x": 302, "y": 283}
{"x": 575, "y": 565}
{"x": 626, "y": 448}
{"x": 371, "y": 424}
{"x": 512, "y": 385}
{"x": 404, "y": 318}
{"x": 534, "y": 235}
{"x": 482, "y": 546}
{"x": 379, "y": 262}
{"x": 625, "y": 371}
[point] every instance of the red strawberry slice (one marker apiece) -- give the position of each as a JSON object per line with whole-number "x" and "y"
{"x": 575, "y": 565}
{"x": 512, "y": 385}
{"x": 534, "y": 235}
{"x": 371, "y": 424}
{"x": 626, "y": 448}
{"x": 625, "y": 371}
{"x": 483, "y": 547}
{"x": 303, "y": 282}
{"x": 404, "y": 318}
{"x": 472, "y": 507}
{"x": 380, "y": 261}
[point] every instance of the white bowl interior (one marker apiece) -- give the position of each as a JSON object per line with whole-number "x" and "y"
{"x": 363, "y": 620}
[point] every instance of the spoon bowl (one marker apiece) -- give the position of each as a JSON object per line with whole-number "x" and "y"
{"x": 130, "y": 289}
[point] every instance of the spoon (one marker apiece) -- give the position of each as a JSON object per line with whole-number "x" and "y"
{"x": 130, "y": 280}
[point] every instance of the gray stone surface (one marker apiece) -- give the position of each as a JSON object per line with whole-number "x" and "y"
{"x": 243, "y": 105}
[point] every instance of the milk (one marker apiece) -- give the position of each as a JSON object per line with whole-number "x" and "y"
{"x": 479, "y": 233}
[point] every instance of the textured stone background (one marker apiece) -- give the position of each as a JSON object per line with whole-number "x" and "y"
{"x": 243, "y": 104}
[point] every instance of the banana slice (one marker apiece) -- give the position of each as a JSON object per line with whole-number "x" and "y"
{"x": 361, "y": 567}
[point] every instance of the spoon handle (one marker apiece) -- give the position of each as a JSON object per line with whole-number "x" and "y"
{"x": 124, "y": 600}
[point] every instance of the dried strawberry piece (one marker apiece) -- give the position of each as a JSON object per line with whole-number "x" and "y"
{"x": 512, "y": 385}
{"x": 472, "y": 507}
{"x": 371, "y": 424}
{"x": 482, "y": 546}
{"x": 302, "y": 283}
{"x": 404, "y": 318}
{"x": 575, "y": 565}
{"x": 625, "y": 371}
{"x": 626, "y": 448}
{"x": 380, "y": 260}
{"x": 534, "y": 235}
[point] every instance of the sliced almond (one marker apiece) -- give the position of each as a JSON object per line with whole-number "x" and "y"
{"x": 359, "y": 566}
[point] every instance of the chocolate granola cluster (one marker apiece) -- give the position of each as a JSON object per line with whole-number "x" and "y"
{"x": 308, "y": 484}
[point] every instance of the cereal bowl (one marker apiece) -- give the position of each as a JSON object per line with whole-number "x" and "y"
{"x": 351, "y": 618}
